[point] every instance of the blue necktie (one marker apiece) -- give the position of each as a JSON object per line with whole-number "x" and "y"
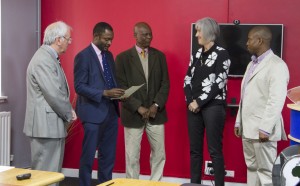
{"x": 107, "y": 72}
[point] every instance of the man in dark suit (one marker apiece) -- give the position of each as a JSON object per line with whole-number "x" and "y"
{"x": 48, "y": 108}
{"x": 145, "y": 109}
{"x": 95, "y": 84}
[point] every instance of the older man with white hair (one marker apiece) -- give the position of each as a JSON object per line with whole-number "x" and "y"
{"x": 48, "y": 108}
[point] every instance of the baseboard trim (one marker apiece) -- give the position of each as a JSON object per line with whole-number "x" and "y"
{"x": 74, "y": 173}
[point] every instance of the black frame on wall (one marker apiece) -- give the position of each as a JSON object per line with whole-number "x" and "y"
{"x": 233, "y": 38}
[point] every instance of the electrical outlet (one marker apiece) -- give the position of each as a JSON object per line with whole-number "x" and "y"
{"x": 229, "y": 173}
{"x": 208, "y": 164}
{"x": 208, "y": 170}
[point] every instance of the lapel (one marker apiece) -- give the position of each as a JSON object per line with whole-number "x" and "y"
{"x": 151, "y": 60}
{"x": 136, "y": 61}
{"x": 59, "y": 67}
{"x": 261, "y": 65}
{"x": 95, "y": 61}
{"x": 64, "y": 75}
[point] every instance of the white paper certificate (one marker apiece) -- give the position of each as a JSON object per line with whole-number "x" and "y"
{"x": 130, "y": 91}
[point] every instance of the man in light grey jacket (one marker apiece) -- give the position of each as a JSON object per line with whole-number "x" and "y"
{"x": 48, "y": 108}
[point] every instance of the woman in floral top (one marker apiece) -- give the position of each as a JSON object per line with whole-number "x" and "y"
{"x": 205, "y": 92}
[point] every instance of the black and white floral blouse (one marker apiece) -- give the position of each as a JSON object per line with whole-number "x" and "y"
{"x": 206, "y": 78}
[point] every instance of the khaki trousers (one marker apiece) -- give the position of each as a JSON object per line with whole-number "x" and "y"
{"x": 259, "y": 159}
{"x": 156, "y": 138}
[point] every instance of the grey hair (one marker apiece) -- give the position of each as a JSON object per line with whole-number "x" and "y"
{"x": 55, "y": 30}
{"x": 209, "y": 28}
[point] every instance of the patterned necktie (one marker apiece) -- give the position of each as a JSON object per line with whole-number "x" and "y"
{"x": 143, "y": 54}
{"x": 107, "y": 72}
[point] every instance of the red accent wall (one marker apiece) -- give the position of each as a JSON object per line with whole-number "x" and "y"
{"x": 171, "y": 26}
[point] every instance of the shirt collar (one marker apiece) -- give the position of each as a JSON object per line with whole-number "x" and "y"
{"x": 97, "y": 50}
{"x": 139, "y": 49}
{"x": 52, "y": 51}
{"x": 261, "y": 57}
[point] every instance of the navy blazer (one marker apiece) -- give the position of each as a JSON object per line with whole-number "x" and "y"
{"x": 89, "y": 83}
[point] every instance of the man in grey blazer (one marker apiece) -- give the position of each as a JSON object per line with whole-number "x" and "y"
{"x": 48, "y": 108}
{"x": 145, "y": 109}
{"x": 259, "y": 120}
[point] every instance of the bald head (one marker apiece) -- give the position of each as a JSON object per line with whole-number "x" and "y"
{"x": 140, "y": 25}
{"x": 259, "y": 40}
{"x": 262, "y": 32}
{"x": 142, "y": 34}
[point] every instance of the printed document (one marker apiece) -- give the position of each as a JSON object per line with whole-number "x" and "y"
{"x": 130, "y": 91}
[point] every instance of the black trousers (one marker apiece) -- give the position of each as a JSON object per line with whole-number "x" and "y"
{"x": 211, "y": 120}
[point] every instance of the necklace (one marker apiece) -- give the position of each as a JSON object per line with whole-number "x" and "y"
{"x": 201, "y": 61}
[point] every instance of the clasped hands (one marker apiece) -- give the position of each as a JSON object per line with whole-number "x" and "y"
{"x": 194, "y": 107}
{"x": 147, "y": 113}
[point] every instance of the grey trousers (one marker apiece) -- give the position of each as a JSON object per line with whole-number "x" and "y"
{"x": 47, "y": 154}
{"x": 156, "y": 138}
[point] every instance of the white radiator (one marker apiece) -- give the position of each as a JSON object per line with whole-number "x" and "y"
{"x": 5, "y": 138}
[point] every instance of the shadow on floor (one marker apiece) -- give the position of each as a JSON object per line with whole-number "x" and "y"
{"x": 69, "y": 181}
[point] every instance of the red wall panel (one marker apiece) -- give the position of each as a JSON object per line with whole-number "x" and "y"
{"x": 171, "y": 26}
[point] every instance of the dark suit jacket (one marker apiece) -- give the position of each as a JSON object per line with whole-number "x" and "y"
{"x": 130, "y": 73}
{"x": 89, "y": 82}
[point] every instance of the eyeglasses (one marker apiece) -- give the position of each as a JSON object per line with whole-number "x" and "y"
{"x": 68, "y": 39}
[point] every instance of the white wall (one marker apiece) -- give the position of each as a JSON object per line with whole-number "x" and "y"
{"x": 20, "y": 33}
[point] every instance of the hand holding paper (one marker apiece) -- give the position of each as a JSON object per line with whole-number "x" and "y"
{"x": 114, "y": 92}
{"x": 129, "y": 91}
